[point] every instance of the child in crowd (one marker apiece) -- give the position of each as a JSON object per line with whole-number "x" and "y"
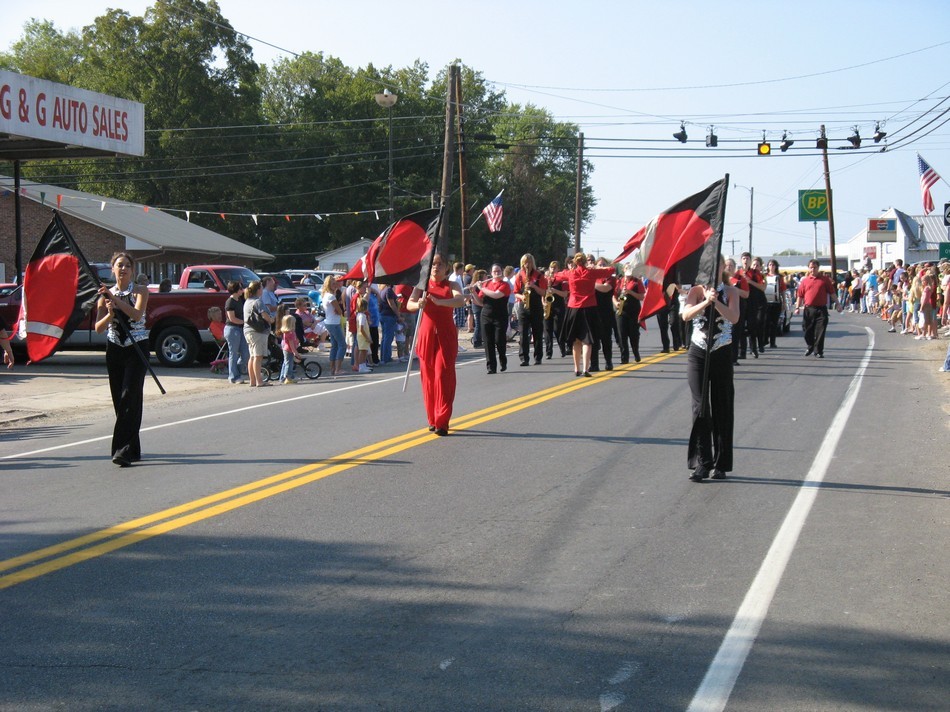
{"x": 363, "y": 337}
{"x": 216, "y": 327}
{"x": 289, "y": 345}
{"x": 402, "y": 348}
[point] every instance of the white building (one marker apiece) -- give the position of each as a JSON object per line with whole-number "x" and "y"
{"x": 917, "y": 239}
{"x": 343, "y": 258}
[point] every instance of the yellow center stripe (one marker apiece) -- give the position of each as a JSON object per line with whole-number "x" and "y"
{"x": 118, "y": 536}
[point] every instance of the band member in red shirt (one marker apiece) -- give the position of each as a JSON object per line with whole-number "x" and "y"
{"x": 492, "y": 296}
{"x": 604, "y": 293}
{"x": 437, "y": 344}
{"x": 755, "y": 306}
{"x": 581, "y": 325}
{"x": 554, "y": 323}
{"x": 630, "y": 293}
{"x": 530, "y": 287}
{"x": 814, "y": 291}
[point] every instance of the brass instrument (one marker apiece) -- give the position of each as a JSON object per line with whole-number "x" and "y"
{"x": 548, "y": 304}
{"x": 621, "y": 303}
{"x": 526, "y": 296}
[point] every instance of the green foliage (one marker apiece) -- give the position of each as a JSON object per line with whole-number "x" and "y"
{"x": 302, "y": 137}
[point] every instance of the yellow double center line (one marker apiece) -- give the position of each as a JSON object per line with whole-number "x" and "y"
{"x": 73, "y": 551}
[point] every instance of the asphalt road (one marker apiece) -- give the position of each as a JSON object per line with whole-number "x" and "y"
{"x": 313, "y": 547}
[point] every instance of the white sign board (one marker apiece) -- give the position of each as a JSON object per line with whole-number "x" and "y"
{"x": 47, "y": 111}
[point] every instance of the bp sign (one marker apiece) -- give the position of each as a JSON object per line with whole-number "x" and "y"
{"x": 944, "y": 248}
{"x": 812, "y": 206}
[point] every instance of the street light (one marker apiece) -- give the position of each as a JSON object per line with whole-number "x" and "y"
{"x": 751, "y": 202}
{"x": 387, "y": 100}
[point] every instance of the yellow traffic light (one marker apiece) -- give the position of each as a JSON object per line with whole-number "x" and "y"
{"x": 765, "y": 149}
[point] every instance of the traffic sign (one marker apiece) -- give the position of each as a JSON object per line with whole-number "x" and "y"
{"x": 944, "y": 250}
{"x": 946, "y": 214}
{"x": 812, "y": 206}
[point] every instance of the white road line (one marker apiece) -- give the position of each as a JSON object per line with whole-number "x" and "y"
{"x": 716, "y": 687}
{"x": 225, "y": 413}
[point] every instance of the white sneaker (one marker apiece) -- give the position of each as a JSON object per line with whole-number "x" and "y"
{"x": 891, "y": 330}
{"x": 941, "y": 370}
{"x": 462, "y": 348}
{"x": 403, "y": 359}
{"x": 365, "y": 369}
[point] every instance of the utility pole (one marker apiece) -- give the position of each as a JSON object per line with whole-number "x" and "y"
{"x": 577, "y": 193}
{"x": 448, "y": 154}
{"x": 732, "y": 248}
{"x": 463, "y": 205}
{"x": 751, "y": 202}
{"x": 831, "y": 215}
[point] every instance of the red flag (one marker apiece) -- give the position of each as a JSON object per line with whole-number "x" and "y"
{"x": 59, "y": 290}
{"x": 675, "y": 246}
{"x": 403, "y": 253}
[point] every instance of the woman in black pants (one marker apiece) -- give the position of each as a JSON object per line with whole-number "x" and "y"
{"x": 121, "y": 313}
{"x": 492, "y": 297}
{"x": 710, "y": 447}
{"x": 630, "y": 293}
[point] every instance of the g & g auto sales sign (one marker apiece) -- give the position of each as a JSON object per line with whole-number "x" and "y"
{"x": 47, "y": 111}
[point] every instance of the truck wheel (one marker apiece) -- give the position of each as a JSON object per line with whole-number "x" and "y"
{"x": 176, "y": 346}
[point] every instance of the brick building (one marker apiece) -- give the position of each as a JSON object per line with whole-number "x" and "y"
{"x": 161, "y": 243}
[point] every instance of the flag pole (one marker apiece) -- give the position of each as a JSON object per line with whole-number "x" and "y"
{"x": 425, "y": 291}
{"x": 710, "y": 310}
{"x": 121, "y": 324}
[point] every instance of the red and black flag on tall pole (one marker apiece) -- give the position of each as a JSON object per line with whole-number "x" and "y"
{"x": 402, "y": 254}
{"x": 59, "y": 290}
{"x": 675, "y": 246}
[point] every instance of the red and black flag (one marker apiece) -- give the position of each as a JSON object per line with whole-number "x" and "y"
{"x": 402, "y": 254}
{"x": 675, "y": 246}
{"x": 59, "y": 290}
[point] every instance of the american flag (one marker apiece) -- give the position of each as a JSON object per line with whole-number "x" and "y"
{"x": 493, "y": 213}
{"x": 928, "y": 176}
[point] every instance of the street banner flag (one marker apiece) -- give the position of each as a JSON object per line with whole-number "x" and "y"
{"x": 493, "y": 213}
{"x": 59, "y": 290}
{"x": 675, "y": 246}
{"x": 928, "y": 176}
{"x": 402, "y": 254}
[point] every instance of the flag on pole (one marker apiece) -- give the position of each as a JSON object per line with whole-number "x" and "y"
{"x": 59, "y": 290}
{"x": 402, "y": 254}
{"x": 675, "y": 246}
{"x": 928, "y": 176}
{"x": 493, "y": 213}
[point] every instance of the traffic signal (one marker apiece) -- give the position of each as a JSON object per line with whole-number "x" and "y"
{"x": 786, "y": 143}
{"x": 765, "y": 149}
{"x": 681, "y": 134}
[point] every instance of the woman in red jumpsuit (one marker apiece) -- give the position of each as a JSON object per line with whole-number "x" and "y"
{"x": 437, "y": 344}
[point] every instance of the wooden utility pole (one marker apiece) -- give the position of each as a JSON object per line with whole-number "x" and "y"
{"x": 448, "y": 154}
{"x": 577, "y": 193}
{"x": 831, "y": 215}
{"x": 463, "y": 205}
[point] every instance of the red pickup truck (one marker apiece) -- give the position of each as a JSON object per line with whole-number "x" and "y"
{"x": 177, "y": 322}
{"x": 216, "y": 277}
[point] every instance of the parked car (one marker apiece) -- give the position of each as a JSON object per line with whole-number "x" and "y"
{"x": 312, "y": 278}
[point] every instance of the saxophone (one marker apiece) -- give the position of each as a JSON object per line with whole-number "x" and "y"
{"x": 621, "y": 303}
{"x": 526, "y": 296}
{"x": 548, "y": 304}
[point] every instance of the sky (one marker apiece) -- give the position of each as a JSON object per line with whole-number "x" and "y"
{"x": 629, "y": 72}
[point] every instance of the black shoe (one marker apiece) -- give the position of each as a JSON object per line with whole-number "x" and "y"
{"x": 609, "y": 367}
{"x": 699, "y": 474}
{"x": 121, "y": 461}
{"x": 431, "y": 428}
{"x": 577, "y": 373}
{"x": 441, "y": 432}
{"x": 594, "y": 369}
{"x": 819, "y": 355}
{"x": 718, "y": 475}
{"x": 636, "y": 357}
{"x": 735, "y": 363}
{"x": 525, "y": 363}
{"x": 548, "y": 355}
{"x": 587, "y": 374}
{"x": 504, "y": 367}
{"x": 537, "y": 362}
{"x": 491, "y": 371}
{"x": 755, "y": 354}
{"x": 664, "y": 351}
{"x": 624, "y": 361}
{"x": 742, "y": 356}
{"x": 809, "y": 351}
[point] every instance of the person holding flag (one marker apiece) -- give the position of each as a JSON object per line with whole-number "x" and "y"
{"x": 713, "y": 311}
{"x": 121, "y": 313}
{"x": 437, "y": 343}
